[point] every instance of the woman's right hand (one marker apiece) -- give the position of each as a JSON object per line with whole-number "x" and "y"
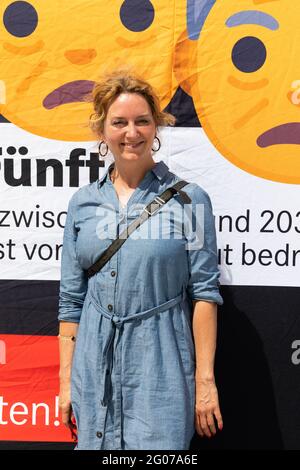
{"x": 65, "y": 406}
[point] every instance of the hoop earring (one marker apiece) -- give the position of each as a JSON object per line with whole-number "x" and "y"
{"x": 99, "y": 149}
{"x": 159, "y": 145}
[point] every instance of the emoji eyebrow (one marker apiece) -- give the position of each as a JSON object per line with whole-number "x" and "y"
{"x": 24, "y": 50}
{"x": 252, "y": 17}
{"x": 247, "y": 85}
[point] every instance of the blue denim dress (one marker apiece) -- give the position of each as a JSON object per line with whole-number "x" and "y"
{"x": 132, "y": 381}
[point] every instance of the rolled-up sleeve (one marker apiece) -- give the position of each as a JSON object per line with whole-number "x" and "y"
{"x": 73, "y": 282}
{"x": 202, "y": 256}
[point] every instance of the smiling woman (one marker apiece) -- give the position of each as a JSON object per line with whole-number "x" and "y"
{"x": 134, "y": 379}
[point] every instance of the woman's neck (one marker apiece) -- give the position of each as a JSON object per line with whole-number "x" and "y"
{"x": 130, "y": 174}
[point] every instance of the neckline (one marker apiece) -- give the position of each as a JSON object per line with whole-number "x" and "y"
{"x": 136, "y": 193}
{"x": 112, "y": 166}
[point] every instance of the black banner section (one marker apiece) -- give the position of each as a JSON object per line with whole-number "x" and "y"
{"x": 29, "y": 307}
{"x": 257, "y": 361}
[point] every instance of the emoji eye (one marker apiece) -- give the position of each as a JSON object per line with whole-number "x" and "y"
{"x": 20, "y": 19}
{"x": 249, "y": 54}
{"x": 137, "y": 15}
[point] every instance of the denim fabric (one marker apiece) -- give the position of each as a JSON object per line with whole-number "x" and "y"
{"x": 134, "y": 360}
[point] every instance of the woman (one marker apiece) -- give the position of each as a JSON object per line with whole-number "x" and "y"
{"x": 141, "y": 375}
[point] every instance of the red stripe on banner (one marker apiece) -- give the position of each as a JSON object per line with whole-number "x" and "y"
{"x": 29, "y": 387}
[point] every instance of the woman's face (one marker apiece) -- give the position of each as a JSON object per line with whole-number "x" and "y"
{"x": 129, "y": 127}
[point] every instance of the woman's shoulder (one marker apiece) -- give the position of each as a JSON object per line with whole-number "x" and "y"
{"x": 196, "y": 192}
{"x": 83, "y": 194}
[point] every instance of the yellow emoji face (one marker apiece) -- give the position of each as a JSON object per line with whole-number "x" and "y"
{"x": 53, "y": 52}
{"x": 244, "y": 78}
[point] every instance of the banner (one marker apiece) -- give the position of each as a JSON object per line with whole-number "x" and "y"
{"x": 229, "y": 73}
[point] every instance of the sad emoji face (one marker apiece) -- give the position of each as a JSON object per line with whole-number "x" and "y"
{"x": 244, "y": 78}
{"x": 53, "y": 52}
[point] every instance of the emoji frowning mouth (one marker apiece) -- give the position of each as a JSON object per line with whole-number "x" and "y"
{"x": 285, "y": 134}
{"x": 69, "y": 93}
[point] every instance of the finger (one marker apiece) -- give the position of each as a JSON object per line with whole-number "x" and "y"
{"x": 72, "y": 426}
{"x": 74, "y": 434}
{"x": 211, "y": 423}
{"x": 198, "y": 426}
{"x": 73, "y": 420}
{"x": 219, "y": 418}
{"x": 65, "y": 417}
{"x": 204, "y": 425}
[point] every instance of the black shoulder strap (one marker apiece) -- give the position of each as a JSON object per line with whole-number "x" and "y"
{"x": 147, "y": 212}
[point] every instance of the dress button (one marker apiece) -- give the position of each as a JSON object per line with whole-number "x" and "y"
{"x": 110, "y": 307}
{"x": 113, "y": 273}
{"x": 99, "y": 434}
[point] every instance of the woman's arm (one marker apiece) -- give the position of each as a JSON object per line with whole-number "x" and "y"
{"x": 207, "y": 401}
{"x": 72, "y": 292}
{"x": 67, "y": 330}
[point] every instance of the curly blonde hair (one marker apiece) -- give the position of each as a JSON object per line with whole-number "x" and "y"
{"x": 120, "y": 81}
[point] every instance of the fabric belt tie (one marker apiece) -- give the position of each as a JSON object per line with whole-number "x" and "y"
{"x": 116, "y": 324}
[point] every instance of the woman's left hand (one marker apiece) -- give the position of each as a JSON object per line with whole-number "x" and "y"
{"x": 207, "y": 408}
